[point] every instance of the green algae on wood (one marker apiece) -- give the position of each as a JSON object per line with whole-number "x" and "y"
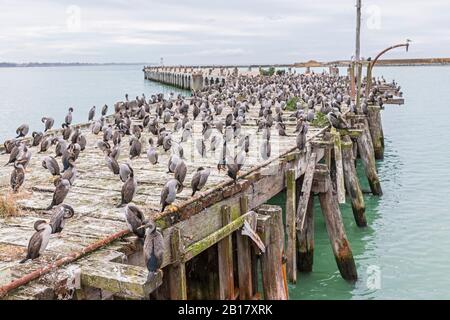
{"x": 120, "y": 278}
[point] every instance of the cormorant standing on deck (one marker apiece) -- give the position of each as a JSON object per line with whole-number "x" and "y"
{"x": 60, "y": 193}
{"x": 135, "y": 219}
{"x": 38, "y": 241}
{"x": 37, "y": 138}
{"x": 153, "y": 248}
{"x": 17, "y": 176}
{"x": 135, "y": 147}
{"x": 124, "y": 171}
{"x": 129, "y": 189}
{"x": 57, "y": 220}
{"x": 199, "y": 179}
{"x": 111, "y": 162}
{"x": 91, "y": 114}
{"x": 66, "y": 132}
{"x": 104, "y": 110}
{"x": 152, "y": 153}
{"x": 337, "y": 121}
{"x": 15, "y": 152}
{"x": 68, "y": 118}
{"x": 169, "y": 193}
{"x": 180, "y": 173}
{"x": 301, "y": 136}
{"x": 22, "y": 131}
{"x": 51, "y": 165}
{"x": 48, "y": 122}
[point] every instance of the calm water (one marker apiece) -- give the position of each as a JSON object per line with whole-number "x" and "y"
{"x": 28, "y": 94}
{"x": 407, "y": 242}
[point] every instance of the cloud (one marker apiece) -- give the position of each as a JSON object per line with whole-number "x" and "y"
{"x": 204, "y": 31}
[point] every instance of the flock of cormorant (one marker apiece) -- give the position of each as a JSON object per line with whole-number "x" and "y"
{"x": 164, "y": 116}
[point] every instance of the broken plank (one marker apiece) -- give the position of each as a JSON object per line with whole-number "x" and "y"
{"x": 306, "y": 190}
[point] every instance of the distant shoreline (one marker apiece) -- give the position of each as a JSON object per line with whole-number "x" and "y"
{"x": 311, "y": 63}
{"x": 381, "y": 63}
{"x": 64, "y": 64}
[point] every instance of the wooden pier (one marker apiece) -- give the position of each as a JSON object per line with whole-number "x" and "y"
{"x": 194, "y": 78}
{"x": 218, "y": 242}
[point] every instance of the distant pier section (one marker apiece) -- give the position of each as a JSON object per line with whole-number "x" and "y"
{"x": 195, "y": 78}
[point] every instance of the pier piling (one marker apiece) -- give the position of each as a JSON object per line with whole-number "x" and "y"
{"x": 366, "y": 153}
{"x": 339, "y": 172}
{"x": 335, "y": 227}
{"x": 177, "y": 270}
{"x": 225, "y": 253}
{"x": 352, "y": 80}
{"x": 358, "y": 86}
{"x": 291, "y": 253}
{"x": 352, "y": 183}
{"x": 306, "y": 190}
{"x": 376, "y": 131}
{"x": 244, "y": 258}
{"x": 305, "y": 239}
{"x": 305, "y": 218}
{"x": 273, "y": 280}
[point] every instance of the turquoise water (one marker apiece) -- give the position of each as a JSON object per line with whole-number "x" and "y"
{"x": 404, "y": 253}
{"x": 28, "y": 94}
{"x": 407, "y": 242}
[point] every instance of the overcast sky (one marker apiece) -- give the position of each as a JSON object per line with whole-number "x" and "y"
{"x": 208, "y": 31}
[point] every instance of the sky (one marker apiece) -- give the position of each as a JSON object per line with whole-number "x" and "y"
{"x": 217, "y": 32}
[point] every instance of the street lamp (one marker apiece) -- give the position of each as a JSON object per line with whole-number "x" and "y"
{"x": 372, "y": 63}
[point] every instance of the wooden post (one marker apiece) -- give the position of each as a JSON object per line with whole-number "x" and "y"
{"x": 368, "y": 160}
{"x": 340, "y": 186}
{"x": 365, "y": 122}
{"x": 291, "y": 253}
{"x": 225, "y": 253}
{"x": 327, "y": 155}
{"x": 306, "y": 190}
{"x": 273, "y": 281}
{"x": 254, "y": 257}
{"x": 177, "y": 271}
{"x": 352, "y": 81}
{"x": 376, "y": 131}
{"x": 335, "y": 227}
{"x": 298, "y": 191}
{"x": 358, "y": 31}
{"x": 358, "y": 53}
{"x": 306, "y": 239}
{"x": 368, "y": 79}
{"x": 352, "y": 183}
{"x": 358, "y": 87}
{"x": 244, "y": 259}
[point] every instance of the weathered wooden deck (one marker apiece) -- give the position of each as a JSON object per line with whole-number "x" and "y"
{"x": 97, "y": 191}
{"x": 96, "y": 258}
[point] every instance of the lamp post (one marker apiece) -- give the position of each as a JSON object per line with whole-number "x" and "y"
{"x": 358, "y": 55}
{"x": 374, "y": 61}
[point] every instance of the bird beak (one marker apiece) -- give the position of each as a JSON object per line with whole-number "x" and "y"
{"x": 146, "y": 225}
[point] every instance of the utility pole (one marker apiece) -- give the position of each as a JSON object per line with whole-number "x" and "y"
{"x": 358, "y": 54}
{"x": 358, "y": 31}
